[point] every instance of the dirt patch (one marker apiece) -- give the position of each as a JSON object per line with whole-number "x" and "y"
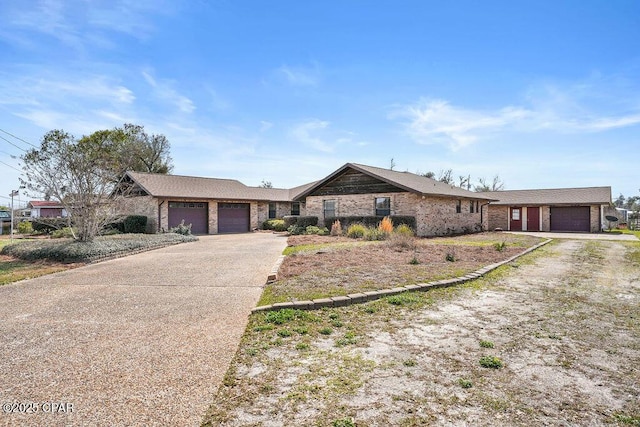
{"x": 331, "y": 266}
{"x": 563, "y": 322}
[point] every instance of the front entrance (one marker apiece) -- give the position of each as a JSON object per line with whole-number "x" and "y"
{"x": 515, "y": 219}
{"x": 533, "y": 219}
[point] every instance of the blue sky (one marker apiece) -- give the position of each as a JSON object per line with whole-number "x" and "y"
{"x": 546, "y": 94}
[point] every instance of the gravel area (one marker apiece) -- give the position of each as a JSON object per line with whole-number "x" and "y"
{"x": 141, "y": 340}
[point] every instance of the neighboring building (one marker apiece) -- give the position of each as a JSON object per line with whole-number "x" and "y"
{"x": 46, "y": 209}
{"x": 557, "y": 209}
{"x": 214, "y": 205}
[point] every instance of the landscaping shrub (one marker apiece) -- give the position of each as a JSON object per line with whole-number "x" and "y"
{"x": 336, "y": 228}
{"x": 103, "y": 246}
{"x": 312, "y": 229}
{"x": 302, "y": 221}
{"x": 63, "y": 233}
{"x": 47, "y": 225}
{"x": 135, "y": 224}
{"x": 370, "y": 221}
{"x": 274, "y": 224}
{"x": 386, "y": 225}
{"x": 401, "y": 240}
{"x": 181, "y": 228}
{"x": 356, "y": 231}
{"x": 404, "y": 230}
{"x": 25, "y": 227}
{"x": 376, "y": 233}
{"x": 294, "y": 230}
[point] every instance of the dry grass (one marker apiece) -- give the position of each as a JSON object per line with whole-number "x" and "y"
{"x": 322, "y": 266}
{"x": 13, "y": 269}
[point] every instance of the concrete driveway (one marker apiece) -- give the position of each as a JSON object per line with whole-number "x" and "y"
{"x": 579, "y": 236}
{"x": 141, "y": 340}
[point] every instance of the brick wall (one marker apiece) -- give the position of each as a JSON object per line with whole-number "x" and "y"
{"x": 498, "y": 217}
{"x": 434, "y": 216}
{"x": 141, "y": 205}
{"x": 595, "y": 218}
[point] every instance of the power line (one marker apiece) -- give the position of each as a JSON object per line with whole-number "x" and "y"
{"x": 9, "y": 154}
{"x": 10, "y": 166}
{"x": 19, "y": 148}
{"x": 18, "y": 138}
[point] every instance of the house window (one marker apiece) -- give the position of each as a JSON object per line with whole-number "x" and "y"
{"x": 383, "y": 206}
{"x": 459, "y": 206}
{"x": 472, "y": 206}
{"x": 272, "y": 210}
{"x": 515, "y": 214}
{"x": 329, "y": 208}
{"x": 295, "y": 208}
{"x": 477, "y": 206}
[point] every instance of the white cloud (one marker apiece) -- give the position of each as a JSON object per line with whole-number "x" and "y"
{"x": 164, "y": 91}
{"x": 265, "y": 125}
{"x": 576, "y": 109}
{"x": 300, "y": 76}
{"x": 306, "y": 133}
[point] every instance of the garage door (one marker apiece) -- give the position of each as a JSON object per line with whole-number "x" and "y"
{"x": 574, "y": 218}
{"x": 195, "y": 214}
{"x": 233, "y": 217}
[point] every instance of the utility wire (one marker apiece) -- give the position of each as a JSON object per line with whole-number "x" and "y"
{"x": 10, "y": 166}
{"x": 9, "y": 154}
{"x": 19, "y": 148}
{"x": 18, "y": 138}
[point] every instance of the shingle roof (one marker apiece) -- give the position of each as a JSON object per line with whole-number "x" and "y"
{"x": 44, "y": 204}
{"x": 191, "y": 187}
{"x": 405, "y": 180}
{"x": 553, "y": 196}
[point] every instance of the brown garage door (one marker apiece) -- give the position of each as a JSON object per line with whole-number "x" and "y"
{"x": 574, "y": 218}
{"x": 192, "y": 213}
{"x": 233, "y": 217}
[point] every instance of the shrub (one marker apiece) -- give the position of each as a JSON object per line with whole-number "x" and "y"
{"x": 386, "y": 225}
{"x": 295, "y": 230}
{"x": 66, "y": 232}
{"x": 47, "y": 225}
{"x": 355, "y": 231}
{"x": 370, "y": 221}
{"x": 374, "y": 234}
{"x": 500, "y": 246}
{"x": 25, "y": 227}
{"x": 336, "y": 228}
{"x": 302, "y": 221}
{"x": 181, "y": 228}
{"x": 274, "y": 224}
{"x": 136, "y": 224}
{"x": 404, "y": 230}
{"x": 486, "y": 344}
{"x": 402, "y": 241}
{"x": 312, "y": 229}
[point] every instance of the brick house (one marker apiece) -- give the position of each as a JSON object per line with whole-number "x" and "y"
{"x": 215, "y": 206}
{"x": 556, "y": 209}
{"x": 46, "y": 209}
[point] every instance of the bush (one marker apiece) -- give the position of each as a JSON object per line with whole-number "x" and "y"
{"x": 374, "y": 234}
{"x": 492, "y": 362}
{"x": 63, "y": 233}
{"x": 336, "y": 228}
{"x": 294, "y": 230}
{"x": 25, "y": 227}
{"x": 135, "y": 224}
{"x": 302, "y": 221}
{"x": 386, "y": 225}
{"x": 370, "y": 221}
{"x": 356, "y": 231}
{"x": 274, "y": 224}
{"x": 185, "y": 230}
{"x": 312, "y": 229}
{"x": 404, "y": 230}
{"x": 402, "y": 240}
{"x": 47, "y": 225}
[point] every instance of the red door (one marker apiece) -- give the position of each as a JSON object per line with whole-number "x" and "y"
{"x": 515, "y": 223}
{"x": 533, "y": 219}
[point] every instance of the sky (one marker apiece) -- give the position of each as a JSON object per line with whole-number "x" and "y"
{"x": 545, "y": 94}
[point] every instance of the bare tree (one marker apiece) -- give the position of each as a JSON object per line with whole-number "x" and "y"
{"x": 446, "y": 176}
{"x": 266, "y": 184}
{"x": 464, "y": 182}
{"x": 495, "y": 185}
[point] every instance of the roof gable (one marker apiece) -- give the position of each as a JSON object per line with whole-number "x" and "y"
{"x": 400, "y": 181}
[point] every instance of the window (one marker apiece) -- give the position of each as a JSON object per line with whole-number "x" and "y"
{"x": 459, "y": 206}
{"x": 295, "y": 208}
{"x": 329, "y": 208}
{"x": 477, "y": 206}
{"x": 272, "y": 210}
{"x": 383, "y": 206}
{"x": 471, "y": 206}
{"x": 515, "y": 214}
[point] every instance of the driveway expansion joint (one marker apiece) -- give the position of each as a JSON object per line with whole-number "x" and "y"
{"x": 341, "y": 301}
